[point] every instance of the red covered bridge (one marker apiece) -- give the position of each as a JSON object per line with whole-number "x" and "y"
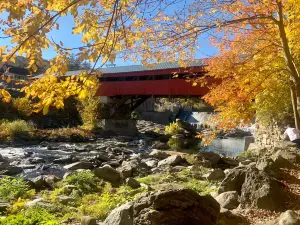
{"x": 158, "y": 80}
{"x": 129, "y": 86}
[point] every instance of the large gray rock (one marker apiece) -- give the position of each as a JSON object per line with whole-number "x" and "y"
{"x": 211, "y": 157}
{"x": 109, "y": 174}
{"x": 216, "y": 174}
{"x": 169, "y": 207}
{"x": 261, "y": 191}
{"x": 228, "y": 200}
{"x": 125, "y": 169}
{"x": 158, "y": 154}
{"x": 79, "y": 165}
{"x": 122, "y": 215}
{"x": 173, "y": 160}
{"x": 233, "y": 180}
{"x": 133, "y": 183}
{"x": 136, "y": 166}
{"x": 152, "y": 163}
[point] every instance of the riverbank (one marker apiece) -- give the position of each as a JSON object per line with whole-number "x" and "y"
{"x": 87, "y": 183}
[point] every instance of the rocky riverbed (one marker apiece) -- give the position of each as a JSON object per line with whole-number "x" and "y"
{"x": 136, "y": 181}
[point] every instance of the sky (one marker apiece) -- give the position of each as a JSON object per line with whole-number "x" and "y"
{"x": 64, "y": 34}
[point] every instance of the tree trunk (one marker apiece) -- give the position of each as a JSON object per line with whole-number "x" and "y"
{"x": 295, "y": 103}
{"x": 291, "y": 67}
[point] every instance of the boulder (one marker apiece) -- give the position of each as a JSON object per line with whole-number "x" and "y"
{"x": 87, "y": 220}
{"x": 158, "y": 154}
{"x": 173, "y": 160}
{"x": 138, "y": 167}
{"x": 216, "y": 174}
{"x": 122, "y": 215}
{"x": 228, "y": 200}
{"x": 133, "y": 183}
{"x": 79, "y": 165}
{"x": 233, "y": 180}
{"x": 152, "y": 163}
{"x": 175, "y": 206}
{"x": 211, "y": 157}
{"x": 261, "y": 191}
{"x": 289, "y": 217}
{"x": 292, "y": 157}
{"x": 109, "y": 174}
{"x": 125, "y": 169}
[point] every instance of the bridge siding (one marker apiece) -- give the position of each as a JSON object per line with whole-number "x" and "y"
{"x": 179, "y": 87}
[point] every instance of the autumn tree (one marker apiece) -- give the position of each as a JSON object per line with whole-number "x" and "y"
{"x": 257, "y": 40}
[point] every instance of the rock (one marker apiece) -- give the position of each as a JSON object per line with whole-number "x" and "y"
{"x": 216, "y": 174}
{"x": 36, "y": 160}
{"x": 158, "y": 154}
{"x": 109, "y": 174}
{"x": 138, "y": 167}
{"x": 228, "y": 162}
{"x": 152, "y": 163}
{"x": 133, "y": 183}
{"x": 79, "y": 165}
{"x": 33, "y": 202}
{"x": 288, "y": 155}
{"x": 3, "y": 205}
{"x": 39, "y": 182}
{"x": 122, "y": 215}
{"x": 65, "y": 199}
{"x": 173, "y": 160}
{"x": 175, "y": 206}
{"x": 261, "y": 191}
{"x": 211, "y": 157}
{"x": 125, "y": 169}
{"x": 289, "y": 217}
{"x": 6, "y": 169}
{"x": 87, "y": 220}
{"x": 233, "y": 180}
{"x": 245, "y": 162}
{"x": 64, "y": 160}
{"x": 227, "y": 217}
{"x": 228, "y": 200}
{"x": 161, "y": 146}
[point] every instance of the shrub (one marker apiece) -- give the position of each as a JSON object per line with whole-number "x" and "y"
{"x": 89, "y": 109}
{"x": 32, "y": 216}
{"x": 173, "y": 128}
{"x": 15, "y": 129}
{"x": 85, "y": 181}
{"x": 14, "y": 188}
{"x": 23, "y": 107}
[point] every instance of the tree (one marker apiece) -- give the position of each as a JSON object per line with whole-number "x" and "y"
{"x": 259, "y": 55}
{"x": 76, "y": 64}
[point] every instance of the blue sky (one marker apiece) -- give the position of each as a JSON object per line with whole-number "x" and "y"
{"x": 64, "y": 34}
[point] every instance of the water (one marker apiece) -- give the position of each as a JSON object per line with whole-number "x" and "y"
{"x": 230, "y": 146}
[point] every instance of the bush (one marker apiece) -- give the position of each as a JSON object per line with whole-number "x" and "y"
{"x": 89, "y": 109}
{"x": 32, "y": 216}
{"x": 85, "y": 181}
{"x": 173, "y": 128}
{"x": 23, "y": 107}
{"x": 15, "y": 129}
{"x": 14, "y": 188}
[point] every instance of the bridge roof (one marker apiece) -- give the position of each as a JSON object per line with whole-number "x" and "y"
{"x": 118, "y": 70}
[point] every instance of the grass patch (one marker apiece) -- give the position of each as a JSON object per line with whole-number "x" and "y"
{"x": 12, "y": 130}
{"x": 32, "y": 216}
{"x": 185, "y": 178}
